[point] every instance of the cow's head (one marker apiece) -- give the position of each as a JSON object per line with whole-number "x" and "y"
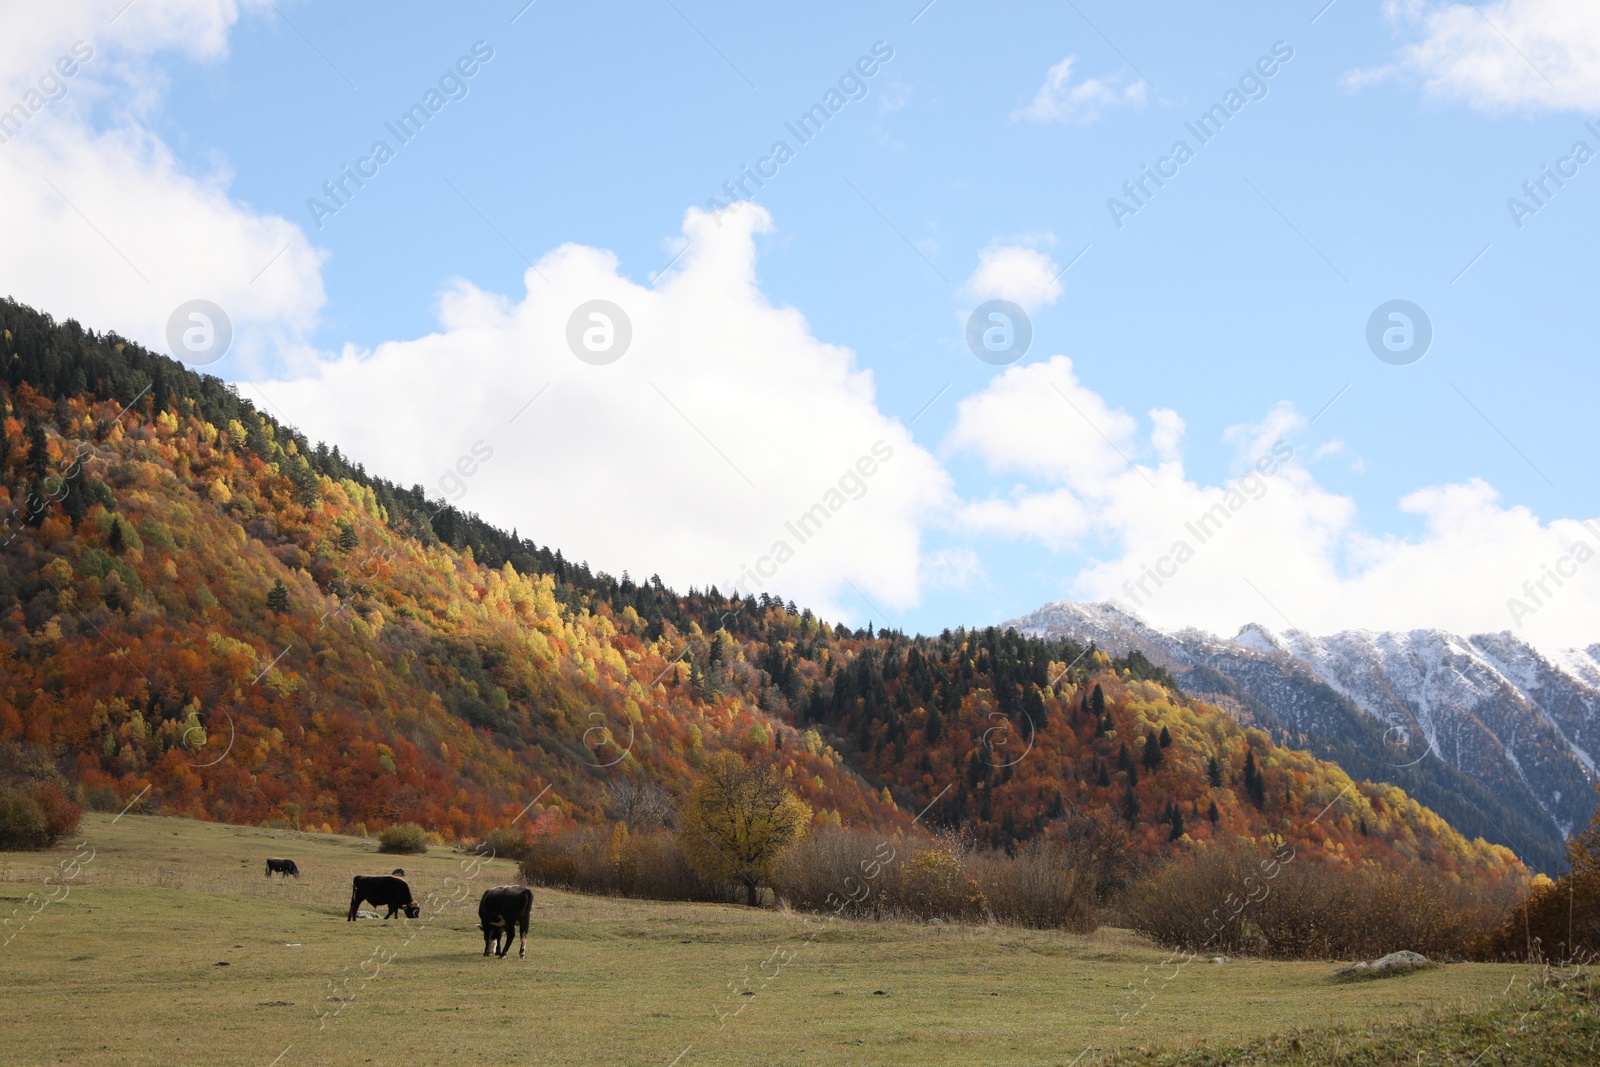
{"x": 413, "y": 909}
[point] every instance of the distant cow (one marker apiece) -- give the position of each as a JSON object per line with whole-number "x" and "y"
{"x": 397, "y": 871}
{"x": 505, "y": 909}
{"x": 283, "y": 867}
{"x": 382, "y": 891}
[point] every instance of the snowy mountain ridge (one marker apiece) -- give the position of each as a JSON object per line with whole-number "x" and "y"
{"x": 1496, "y": 735}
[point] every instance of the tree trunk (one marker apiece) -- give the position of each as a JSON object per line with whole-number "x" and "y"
{"x": 751, "y": 893}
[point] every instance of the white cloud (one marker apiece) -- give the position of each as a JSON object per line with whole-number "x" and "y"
{"x": 1275, "y": 547}
{"x": 117, "y": 231}
{"x": 1016, "y": 273}
{"x": 1167, "y": 437}
{"x": 642, "y": 464}
{"x": 1500, "y": 56}
{"x": 1058, "y": 100}
{"x": 952, "y": 568}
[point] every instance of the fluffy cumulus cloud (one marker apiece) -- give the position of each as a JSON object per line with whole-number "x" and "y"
{"x": 118, "y": 232}
{"x": 1060, "y": 100}
{"x": 1268, "y": 544}
{"x": 727, "y": 444}
{"x": 1017, "y": 273}
{"x": 1501, "y": 55}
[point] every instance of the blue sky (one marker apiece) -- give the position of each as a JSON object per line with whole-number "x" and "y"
{"x": 1377, "y": 165}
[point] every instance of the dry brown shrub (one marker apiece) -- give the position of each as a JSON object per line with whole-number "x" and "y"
{"x": 1239, "y": 899}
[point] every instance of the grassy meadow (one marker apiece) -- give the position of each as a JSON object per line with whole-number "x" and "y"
{"x": 171, "y": 947}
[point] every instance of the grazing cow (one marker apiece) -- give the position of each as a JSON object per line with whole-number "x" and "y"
{"x": 283, "y": 867}
{"x": 505, "y": 909}
{"x": 398, "y": 872}
{"x": 382, "y": 890}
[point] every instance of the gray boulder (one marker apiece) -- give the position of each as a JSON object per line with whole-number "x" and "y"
{"x": 1395, "y": 963}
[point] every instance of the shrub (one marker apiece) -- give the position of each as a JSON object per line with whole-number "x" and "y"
{"x": 406, "y": 838}
{"x": 1048, "y": 884}
{"x": 36, "y": 809}
{"x": 1053, "y": 883}
{"x": 826, "y": 871}
{"x": 103, "y": 798}
{"x": 1236, "y": 899}
{"x": 61, "y": 815}
{"x": 505, "y": 841}
{"x": 22, "y": 821}
{"x": 594, "y": 859}
{"x": 936, "y": 882}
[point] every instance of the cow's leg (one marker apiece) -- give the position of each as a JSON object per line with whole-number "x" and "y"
{"x": 355, "y": 902}
{"x": 522, "y": 948}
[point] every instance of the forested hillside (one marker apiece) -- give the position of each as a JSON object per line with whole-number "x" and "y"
{"x": 197, "y": 600}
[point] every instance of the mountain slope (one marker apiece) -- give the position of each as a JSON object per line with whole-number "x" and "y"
{"x": 1485, "y": 730}
{"x": 202, "y": 612}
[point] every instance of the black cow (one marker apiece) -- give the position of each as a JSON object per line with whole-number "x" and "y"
{"x": 283, "y": 867}
{"x": 505, "y": 909}
{"x": 398, "y": 871}
{"x": 382, "y": 891}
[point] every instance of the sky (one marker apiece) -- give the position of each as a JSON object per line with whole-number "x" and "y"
{"x": 922, "y": 314}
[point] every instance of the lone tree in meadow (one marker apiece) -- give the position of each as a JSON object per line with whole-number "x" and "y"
{"x": 739, "y": 817}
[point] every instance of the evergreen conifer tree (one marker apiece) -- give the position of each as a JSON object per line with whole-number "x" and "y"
{"x": 1152, "y": 751}
{"x": 1254, "y": 783}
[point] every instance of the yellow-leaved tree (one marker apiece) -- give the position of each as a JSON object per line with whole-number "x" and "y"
{"x": 739, "y": 816}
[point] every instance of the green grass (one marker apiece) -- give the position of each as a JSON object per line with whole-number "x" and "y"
{"x": 1554, "y": 1021}
{"x": 125, "y": 971}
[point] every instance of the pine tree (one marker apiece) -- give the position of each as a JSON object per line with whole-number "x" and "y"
{"x": 1105, "y": 776}
{"x": 1130, "y": 807}
{"x": 1254, "y": 783}
{"x": 114, "y": 540}
{"x": 1177, "y": 823}
{"x": 1097, "y": 700}
{"x": 1166, "y": 738}
{"x": 1214, "y": 815}
{"x": 278, "y": 598}
{"x": 38, "y": 448}
{"x": 1152, "y": 751}
{"x": 1214, "y": 773}
{"x": 347, "y": 536}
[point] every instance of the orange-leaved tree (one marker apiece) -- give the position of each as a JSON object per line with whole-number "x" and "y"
{"x": 740, "y": 815}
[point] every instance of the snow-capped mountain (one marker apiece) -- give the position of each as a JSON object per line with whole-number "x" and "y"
{"x": 1495, "y": 735}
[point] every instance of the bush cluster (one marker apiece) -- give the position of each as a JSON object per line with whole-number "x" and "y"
{"x": 406, "y": 838}
{"x": 1052, "y": 883}
{"x": 1244, "y": 899}
{"x": 617, "y": 862}
{"x": 36, "y": 809}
